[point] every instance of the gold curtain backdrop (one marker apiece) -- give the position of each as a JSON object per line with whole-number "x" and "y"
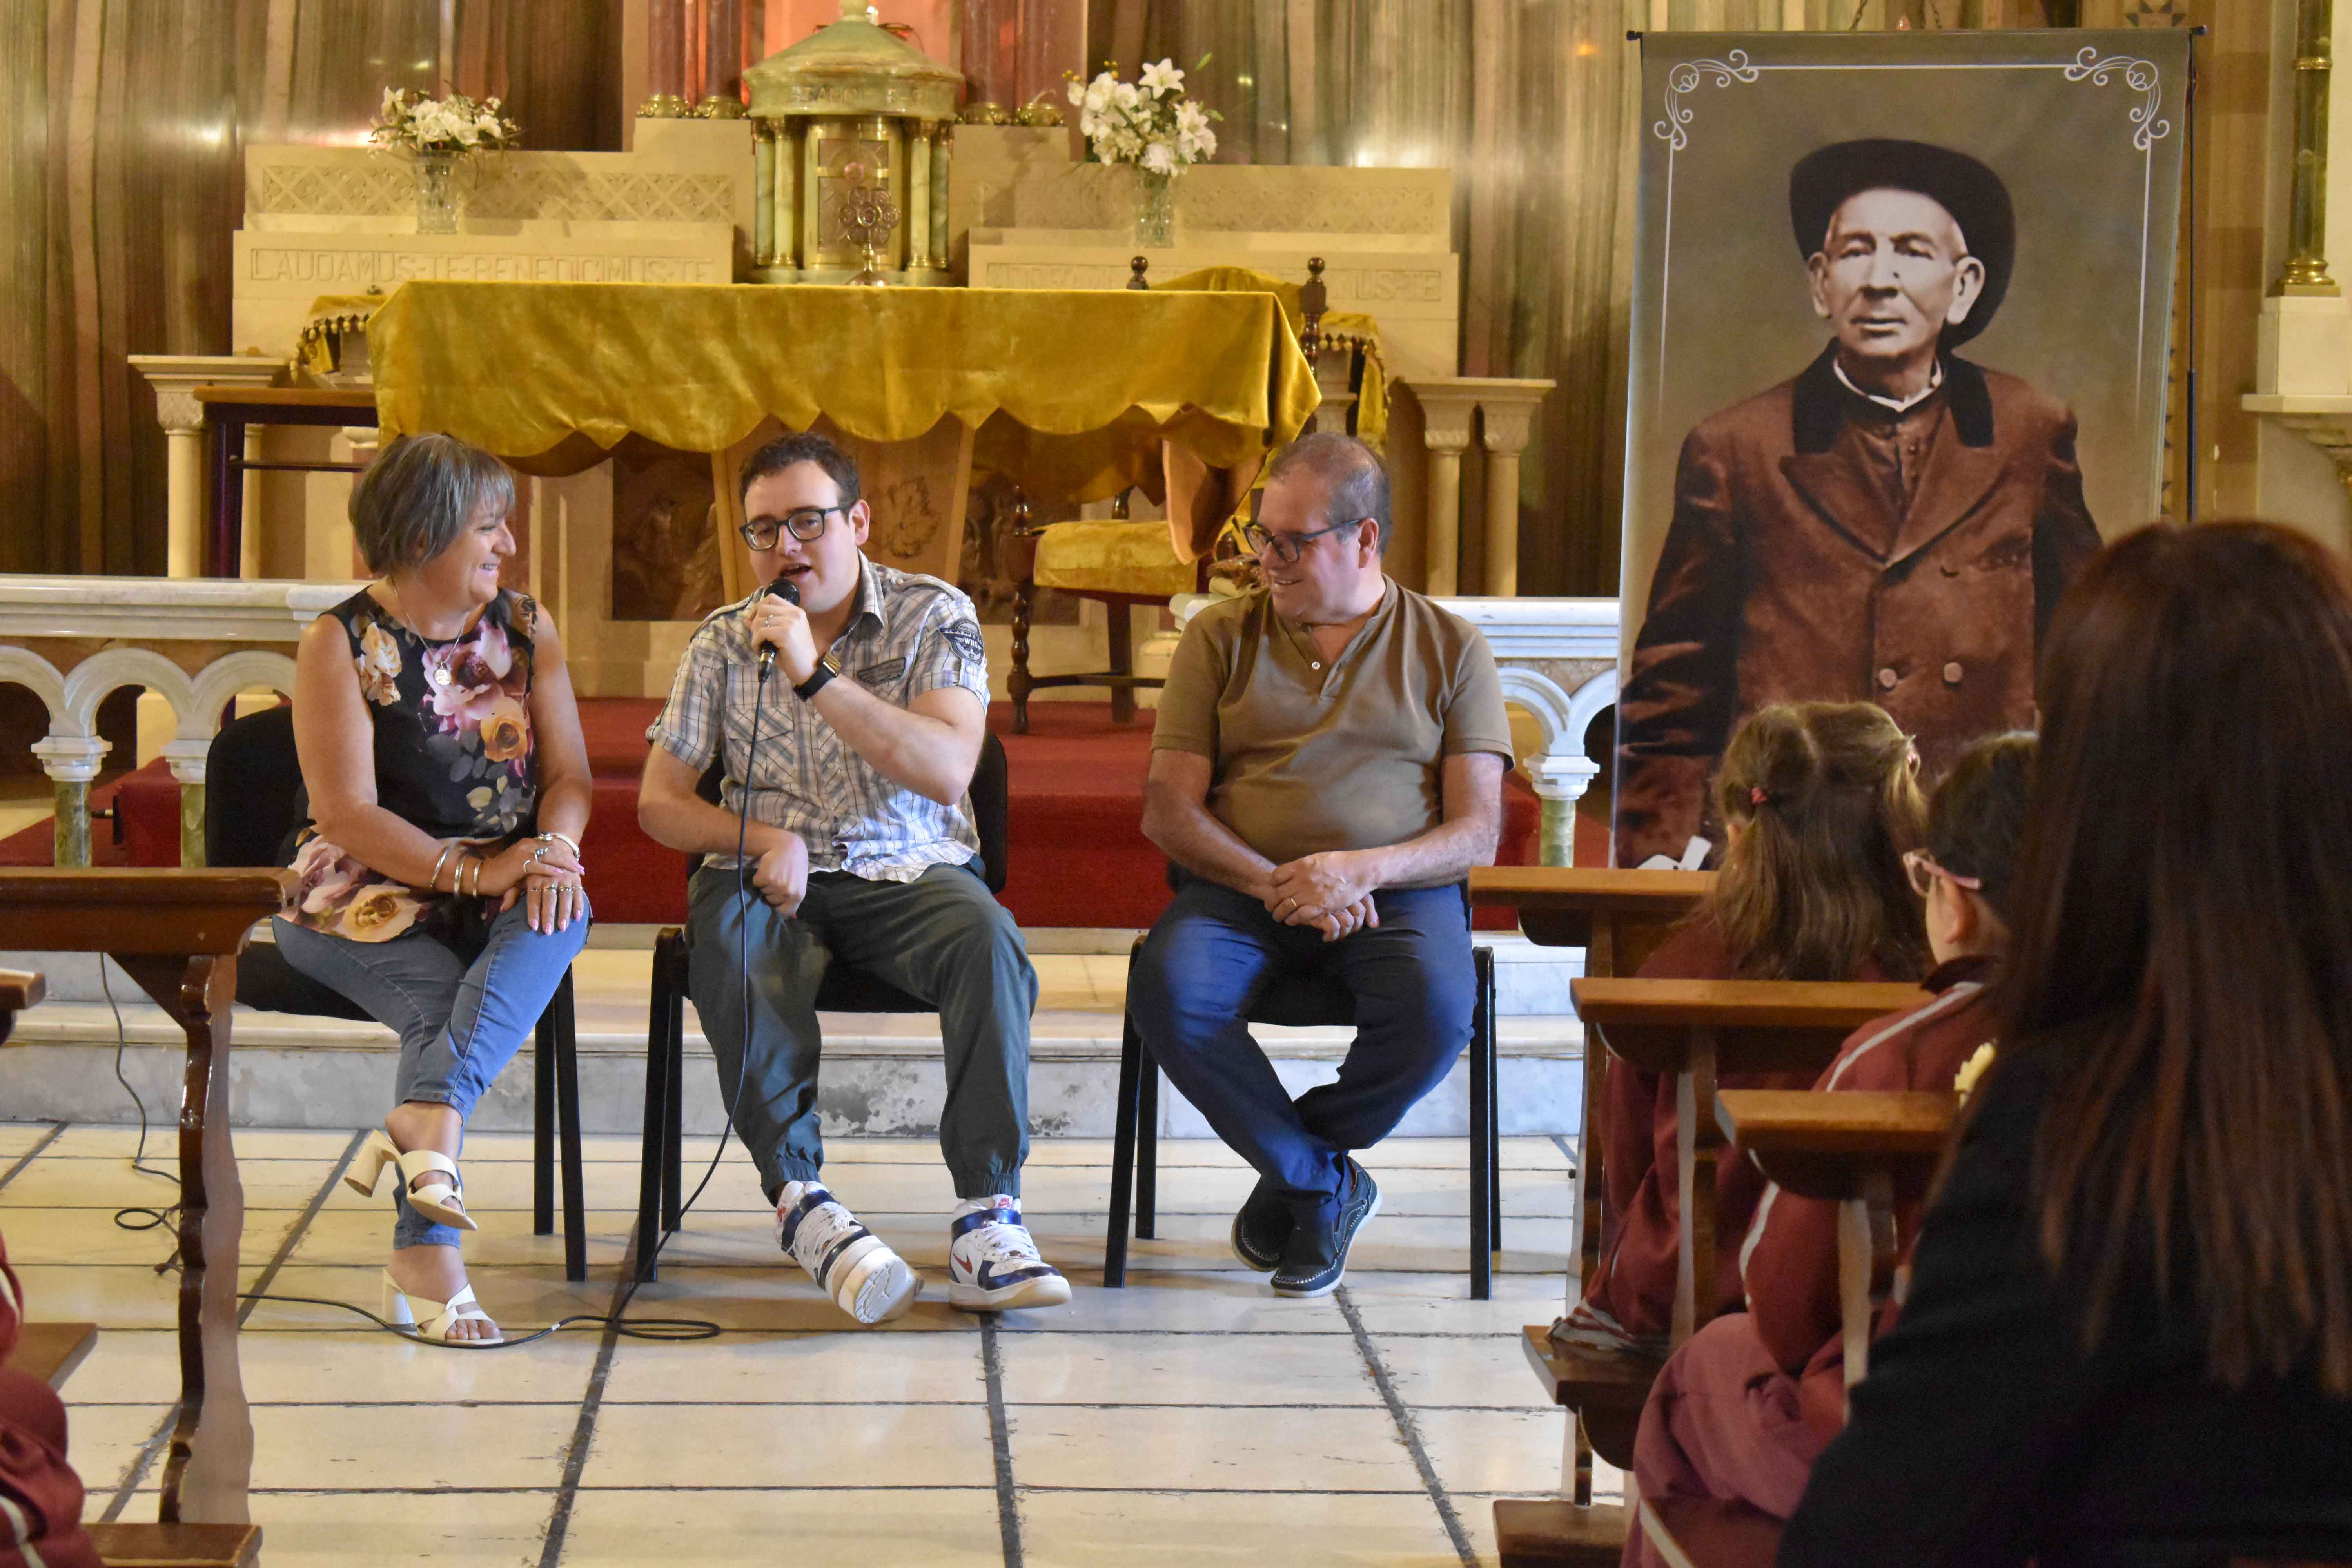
{"x": 123, "y": 130}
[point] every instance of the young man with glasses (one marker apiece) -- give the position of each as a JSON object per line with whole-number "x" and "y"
{"x": 856, "y": 849}
{"x": 1326, "y": 769}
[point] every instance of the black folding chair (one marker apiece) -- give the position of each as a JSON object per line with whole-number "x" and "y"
{"x": 660, "y": 1174}
{"x": 1307, "y": 1000}
{"x": 250, "y": 779}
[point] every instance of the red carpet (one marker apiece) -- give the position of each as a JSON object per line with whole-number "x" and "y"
{"x": 1077, "y": 845}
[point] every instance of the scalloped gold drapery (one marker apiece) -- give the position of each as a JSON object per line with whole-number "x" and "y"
{"x": 1071, "y": 394}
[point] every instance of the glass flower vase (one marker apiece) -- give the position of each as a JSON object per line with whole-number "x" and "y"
{"x": 1155, "y": 209}
{"x": 437, "y": 193}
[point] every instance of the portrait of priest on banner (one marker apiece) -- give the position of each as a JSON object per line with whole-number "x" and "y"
{"x": 1894, "y": 523}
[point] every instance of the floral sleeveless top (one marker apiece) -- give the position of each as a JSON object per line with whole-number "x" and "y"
{"x": 453, "y": 756}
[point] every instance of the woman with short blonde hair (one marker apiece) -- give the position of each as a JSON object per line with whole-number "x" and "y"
{"x": 444, "y": 788}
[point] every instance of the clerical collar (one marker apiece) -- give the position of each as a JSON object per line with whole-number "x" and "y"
{"x": 1899, "y": 405}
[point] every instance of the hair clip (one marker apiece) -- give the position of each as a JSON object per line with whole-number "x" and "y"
{"x": 1757, "y": 795}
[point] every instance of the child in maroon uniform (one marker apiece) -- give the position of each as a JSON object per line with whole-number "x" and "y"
{"x": 40, "y": 1496}
{"x": 1741, "y": 1410}
{"x": 1821, "y": 805}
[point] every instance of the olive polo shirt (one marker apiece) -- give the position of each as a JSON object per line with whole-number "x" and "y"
{"x": 1348, "y": 755}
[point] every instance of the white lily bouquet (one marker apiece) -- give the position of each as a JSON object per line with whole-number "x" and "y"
{"x": 408, "y": 120}
{"x": 439, "y": 134}
{"x": 1148, "y": 122}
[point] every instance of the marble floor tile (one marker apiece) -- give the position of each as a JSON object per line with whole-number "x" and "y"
{"x": 1440, "y": 1303}
{"x": 104, "y": 1441}
{"x": 1083, "y": 1529}
{"x": 848, "y": 1367}
{"x": 401, "y": 1448}
{"x": 640, "y": 1445}
{"x": 936, "y": 1527}
{"x": 1184, "y": 1369}
{"x": 1210, "y": 1449}
{"x": 1172, "y": 1301}
{"x": 1514, "y": 1453}
{"x": 401, "y": 1529}
{"x": 344, "y": 1367}
{"x": 1486, "y": 1370}
{"x": 90, "y": 1237}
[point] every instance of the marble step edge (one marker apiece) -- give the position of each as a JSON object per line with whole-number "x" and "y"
{"x": 1059, "y": 1038}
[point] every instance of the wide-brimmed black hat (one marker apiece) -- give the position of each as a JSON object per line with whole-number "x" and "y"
{"x": 1972, "y": 193}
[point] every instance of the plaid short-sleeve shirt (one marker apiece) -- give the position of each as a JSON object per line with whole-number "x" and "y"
{"x": 910, "y": 635}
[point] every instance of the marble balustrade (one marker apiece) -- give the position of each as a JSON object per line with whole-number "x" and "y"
{"x": 195, "y": 643}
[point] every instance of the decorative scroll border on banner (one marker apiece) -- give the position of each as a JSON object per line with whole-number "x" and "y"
{"x": 2142, "y": 76}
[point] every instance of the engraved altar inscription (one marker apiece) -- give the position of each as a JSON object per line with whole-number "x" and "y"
{"x": 359, "y": 268}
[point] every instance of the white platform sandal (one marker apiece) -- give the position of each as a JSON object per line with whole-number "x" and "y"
{"x": 444, "y": 1203}
{"x": 433, "y": 1320}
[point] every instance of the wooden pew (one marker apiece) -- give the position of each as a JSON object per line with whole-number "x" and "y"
{"x": 1852, "y": 1148}
{"x": 1619, "y": 918}
{"x": 1692, "y": 1030}
{"x": 50, "y": 1351}
{"x": 125, "y": 1545}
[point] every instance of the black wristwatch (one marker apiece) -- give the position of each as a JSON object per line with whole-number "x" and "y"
{"x": 826, "y": 671}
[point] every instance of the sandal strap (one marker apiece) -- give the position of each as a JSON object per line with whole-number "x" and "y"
{"x": 419, "y": 1163}
{"x": 457, "y": 1308}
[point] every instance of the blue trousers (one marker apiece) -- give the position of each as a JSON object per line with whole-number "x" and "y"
{"x": 460, "y": 1020}
{"x": 1216, "y": 951}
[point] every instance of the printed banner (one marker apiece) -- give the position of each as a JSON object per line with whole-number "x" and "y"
{"x": 1898, "y": 359}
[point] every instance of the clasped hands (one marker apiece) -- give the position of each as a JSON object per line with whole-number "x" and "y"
{"x": 545, "y": 873}
{"x": 1331, "y": 891}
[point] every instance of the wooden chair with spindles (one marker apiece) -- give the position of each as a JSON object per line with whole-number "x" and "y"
{"x": 1692, "y": 1031}
{"x": 1122, "y": 563}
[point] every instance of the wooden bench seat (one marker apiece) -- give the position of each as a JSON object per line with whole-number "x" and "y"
{"x": 50, "y": 1351}
{"x": 123, "y": 1546}
{"x": 1538, "y": 1532}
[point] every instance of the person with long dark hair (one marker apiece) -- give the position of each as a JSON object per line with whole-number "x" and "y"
{"x": 2128, "y": 1333}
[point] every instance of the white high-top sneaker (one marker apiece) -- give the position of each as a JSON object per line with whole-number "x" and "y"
{"x": 848, "y": 1262}
{"x": 993, "y": 1264}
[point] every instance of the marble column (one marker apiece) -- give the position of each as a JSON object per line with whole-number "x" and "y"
{"x": 664, "y": 61}
{"x": 722, "y": 61}
{"x": 1509, "y": 409}
{"x": 186, "y": 761}
{"x": 1560, "y": 783}
{"x": 71, "y": 761}
{"x": 175, "y": 378}
{"x": 1445, "y": 408}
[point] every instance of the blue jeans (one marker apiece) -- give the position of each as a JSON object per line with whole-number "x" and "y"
{"x": 459, "y": 1021}
{"x": 1215, "y": 951}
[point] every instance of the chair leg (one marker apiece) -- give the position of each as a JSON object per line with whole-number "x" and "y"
{"x": 1494, "y": 1112}
{"x": 1122, "y": 662}
{"x": 567, "y": 1122}
{"x": 542, "y": 1124}
{"x": 1146, "y": 1147}
{"x": 657, "y": 1123}
{"x": 1484, "y": 1176}
{"x": 673, "y": 1104}
{"x": 1016, "y": 681}
{"x": 1122, "y": 1156}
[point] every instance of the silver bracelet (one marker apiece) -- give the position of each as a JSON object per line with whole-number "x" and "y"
{"x": 563, "y": 838}
{"x": 433, "y": 883}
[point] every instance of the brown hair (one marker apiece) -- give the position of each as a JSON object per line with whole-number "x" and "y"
{"x": 1979, "y": 814}
{"x": 2182, "y": 954}
{"x": 1812, "y": 886}
{"x": 419, "y": 495}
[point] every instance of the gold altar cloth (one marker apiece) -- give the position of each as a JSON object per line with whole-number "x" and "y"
{"x": 1071, "y": 393}
{"x": 1346, "y": 326}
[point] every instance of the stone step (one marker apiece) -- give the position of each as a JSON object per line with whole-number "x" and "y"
{"x": 883, "y": 1073}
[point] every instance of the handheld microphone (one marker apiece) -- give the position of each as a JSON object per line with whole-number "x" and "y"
{"x": 782, "y": 588}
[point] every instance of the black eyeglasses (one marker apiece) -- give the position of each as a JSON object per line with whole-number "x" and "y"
{"x": 1285, "y": 547}
{"x": 806, "y": 523}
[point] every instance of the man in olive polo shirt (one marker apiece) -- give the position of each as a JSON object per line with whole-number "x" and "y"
{"x": 1326, "y": 768}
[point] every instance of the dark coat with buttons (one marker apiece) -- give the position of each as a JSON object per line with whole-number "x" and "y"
{"x": 1788, "y": 576}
